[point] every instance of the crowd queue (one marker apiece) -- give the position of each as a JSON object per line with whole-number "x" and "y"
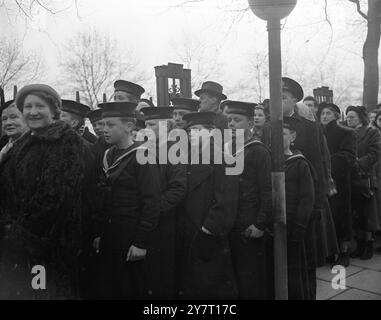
{"x": 105, "y": 226}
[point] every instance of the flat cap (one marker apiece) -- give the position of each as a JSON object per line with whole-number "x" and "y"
{"x": 95, "y": 115}
{"x": 76, "y": 108}
{"x": 129, "y": 87}
{"x": 292, "y": 86}
{"x": 155, "y": 113}
{"x": 185, "y": 104}
{"x": 118, "y": 109}
{"x": 239, "y": 107}
{"x": 199, "y": 118}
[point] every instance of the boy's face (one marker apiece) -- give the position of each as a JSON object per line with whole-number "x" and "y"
{"x": 115, "y": 130}
{"x": 288, "y": 138}
{"x": 239, "y": 121}
{"x": 196, "y": 134}
{"x": 98, "y": 127}
{"x": 178, "y": 115}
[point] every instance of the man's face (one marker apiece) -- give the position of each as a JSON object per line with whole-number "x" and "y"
{"x": 288, "y": 137}
{"x": 69, "y": 119}
{"x": 121, "y": 96}
{"x": 311, "y": 105}
{"x": 98, "y": 127}
{"x": 13, "y": 123}
{"x": 288, "y": 103}
{"x": 114, "y": 130}
{"x": 239, "y": 121}
{"x": 207, "y": 102}
{"x": 178, "y": 115}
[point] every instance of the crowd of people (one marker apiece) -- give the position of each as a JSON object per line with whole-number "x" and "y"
{"x": 105, "y": 226}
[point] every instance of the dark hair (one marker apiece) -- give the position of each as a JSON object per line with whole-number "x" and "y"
{"x": 50, "y": 100}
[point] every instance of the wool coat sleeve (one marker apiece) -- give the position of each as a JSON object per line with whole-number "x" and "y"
{"x": 262, "y": 161}
{"x": 148, "y": 179}
{"x": 373, "y": 151}
{"x": 345, "y": 158}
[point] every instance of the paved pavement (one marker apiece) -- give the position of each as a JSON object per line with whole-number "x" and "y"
{"x": 363, "y": 281}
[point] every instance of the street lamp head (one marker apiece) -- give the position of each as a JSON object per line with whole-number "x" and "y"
{"x": 272, "y": 9}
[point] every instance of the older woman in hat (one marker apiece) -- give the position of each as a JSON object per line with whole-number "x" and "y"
{"x": 42, "y": 183}
{"x": 363, "y": 198}
{"x": 342, "y": 148}
{"x": 13, "y": 126}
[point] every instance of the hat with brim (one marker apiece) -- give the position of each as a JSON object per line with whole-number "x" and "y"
{"x": 157, "y": 113}
{"x": 188, "y": 104}
{"x": 212, "y": 88}
{"x": 325, "y": 105}
{"x": 118, "y": 109}
{"x": 293, "y": 87}
{"x": 95, "y": 115}
{"x": 199, "y": 118}
{"x": 359, "y": 109}
{"x": 129, "y": 87}
{"x": 30, "y": 89}
{"x": 290, "y": 123}
{"x": 239, "y": 107}
{"x": 76, "y": 108}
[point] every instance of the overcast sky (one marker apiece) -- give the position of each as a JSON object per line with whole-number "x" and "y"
{"x": 150, "y": 28}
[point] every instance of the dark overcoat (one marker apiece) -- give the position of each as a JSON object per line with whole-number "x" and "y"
{"x": 364, "y": 202}
{"x": 161, "y": 258}
{"x": 342, "y": 147}
{"x": 207, "y": 271}
{"x": 299, "y": 206}
{"x": 254, "y": 208}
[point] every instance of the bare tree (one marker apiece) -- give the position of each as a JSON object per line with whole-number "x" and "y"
{"x": 370, "y": 51}
{"x": 195, "y": 53}
{"x": 16, "y": 67}
{"x": 93, "y": 61}
{"x": 28, "y": 8}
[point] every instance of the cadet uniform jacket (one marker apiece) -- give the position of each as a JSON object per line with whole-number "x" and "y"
{"x": 132, "y": 194}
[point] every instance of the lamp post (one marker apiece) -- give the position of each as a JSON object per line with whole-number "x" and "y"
{"x": 273, "y": 11}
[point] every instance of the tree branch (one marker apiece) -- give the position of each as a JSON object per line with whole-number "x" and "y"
{"x": 358, "y": 6}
